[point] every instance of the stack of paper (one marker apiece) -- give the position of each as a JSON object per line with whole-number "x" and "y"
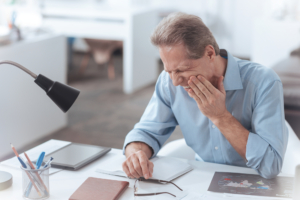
{"x": 165, "y": 168}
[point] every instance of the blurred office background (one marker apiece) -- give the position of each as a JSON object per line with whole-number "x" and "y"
{"x": 102, "y": 47}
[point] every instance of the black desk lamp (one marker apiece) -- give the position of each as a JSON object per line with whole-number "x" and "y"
{"x": 63, "y": 96}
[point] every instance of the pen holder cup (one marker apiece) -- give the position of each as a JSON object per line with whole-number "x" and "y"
{"x": 35, "y": 183}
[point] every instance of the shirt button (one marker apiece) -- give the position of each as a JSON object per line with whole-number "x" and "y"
{"x": 216, "y": 148}
{"x": 213, "y": 126}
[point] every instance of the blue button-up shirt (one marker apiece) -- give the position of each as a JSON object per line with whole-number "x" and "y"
{"x": 254, "y": 97}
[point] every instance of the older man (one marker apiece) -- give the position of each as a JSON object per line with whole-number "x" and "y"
{"x": 230, "y": 111}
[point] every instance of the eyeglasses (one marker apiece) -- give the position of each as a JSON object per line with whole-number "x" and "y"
{"x": 136, "y": 185}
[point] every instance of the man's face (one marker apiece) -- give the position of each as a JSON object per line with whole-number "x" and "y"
{"x": 180, "y": 68}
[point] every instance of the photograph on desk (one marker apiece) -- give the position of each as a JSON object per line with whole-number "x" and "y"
{"x": 251, "y": 184}
{"x": 162, "y": 94}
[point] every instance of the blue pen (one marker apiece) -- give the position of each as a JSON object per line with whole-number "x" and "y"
{"x": 22, "y": 163}
{"x": 38, "y": 165}
{"x": 40, "y": 160}
{"x": 48, "y": 162}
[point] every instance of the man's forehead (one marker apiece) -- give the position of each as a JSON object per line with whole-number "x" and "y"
{"x": 173, "y": 48}
{"x": 173, "y": 57}
{"x": 168, "y": 48}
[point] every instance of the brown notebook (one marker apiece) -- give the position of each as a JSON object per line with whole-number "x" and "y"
{"x": 99, "y": 189}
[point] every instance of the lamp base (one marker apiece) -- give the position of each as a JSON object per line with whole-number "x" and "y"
{"x": 5, "y": 180}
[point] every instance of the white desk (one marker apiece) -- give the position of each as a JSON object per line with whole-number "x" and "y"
{"x": 99, "y": 21}
{"x": 64, "y": 183}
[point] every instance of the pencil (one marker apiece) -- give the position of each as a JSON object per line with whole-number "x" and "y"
{"x": 32, "y": 166}
{"x": 15, "y": 151}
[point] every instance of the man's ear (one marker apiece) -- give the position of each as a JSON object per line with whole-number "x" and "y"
{"x": 210, "y": 52}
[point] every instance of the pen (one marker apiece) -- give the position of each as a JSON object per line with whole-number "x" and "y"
{"x": 48, "y": 162}
{"x": 32, "y": 167}
{"x": 25, "y": 167}
{"x": 40, "y": 160}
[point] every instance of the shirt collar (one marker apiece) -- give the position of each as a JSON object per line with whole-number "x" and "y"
{"x": 232, "y": 79}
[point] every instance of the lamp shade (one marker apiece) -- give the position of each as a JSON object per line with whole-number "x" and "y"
{"x": 63, "y": 96}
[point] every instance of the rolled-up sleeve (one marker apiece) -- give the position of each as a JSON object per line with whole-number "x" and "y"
{"x": 158, "y": 121}
{"x": 267, "y": 141}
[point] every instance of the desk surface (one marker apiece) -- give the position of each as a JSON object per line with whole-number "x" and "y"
{"x": 64, "y": 183}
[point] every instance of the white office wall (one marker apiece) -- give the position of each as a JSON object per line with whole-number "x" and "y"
{"x": 26, "y": 112}
{"x": 2, "y": 16}
{"x": 273, "y": 41}
{"x": 244, "y": 15}
{"x": 140, "y": 64}
{"x": 232, "y": 21}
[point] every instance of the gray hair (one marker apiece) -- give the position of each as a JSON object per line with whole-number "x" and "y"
{"x": 190, "y": 30}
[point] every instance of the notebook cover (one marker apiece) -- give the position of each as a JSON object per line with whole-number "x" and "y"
{"x": 97, "y": 188}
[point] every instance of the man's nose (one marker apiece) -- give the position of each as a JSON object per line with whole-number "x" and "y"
{"x": 176, "y": 80}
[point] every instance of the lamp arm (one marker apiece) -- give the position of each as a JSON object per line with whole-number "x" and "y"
{"x": 19, "y": 66}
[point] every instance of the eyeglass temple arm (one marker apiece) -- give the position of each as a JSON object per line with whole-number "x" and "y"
{"x": 152, "y": 194}
{"x": 171, "y": 183}
{"x": 20, "y": 67}
{"x": 160, "y": 181}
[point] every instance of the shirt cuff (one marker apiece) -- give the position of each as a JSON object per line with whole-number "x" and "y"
{"x": 255, "y": 150}
{"x": 140, "y": 136}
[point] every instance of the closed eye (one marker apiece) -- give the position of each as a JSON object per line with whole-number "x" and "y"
{"x": 176, "y": 72}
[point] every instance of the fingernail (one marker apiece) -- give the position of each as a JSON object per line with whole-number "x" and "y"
{"x": 193, "y": 78}
{"x": 200, "y": 77}
{"x": 146, "y": 176}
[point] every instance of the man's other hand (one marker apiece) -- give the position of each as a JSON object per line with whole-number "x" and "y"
{"x": 210, "y": 100}
{"x": 137, "y": 162}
